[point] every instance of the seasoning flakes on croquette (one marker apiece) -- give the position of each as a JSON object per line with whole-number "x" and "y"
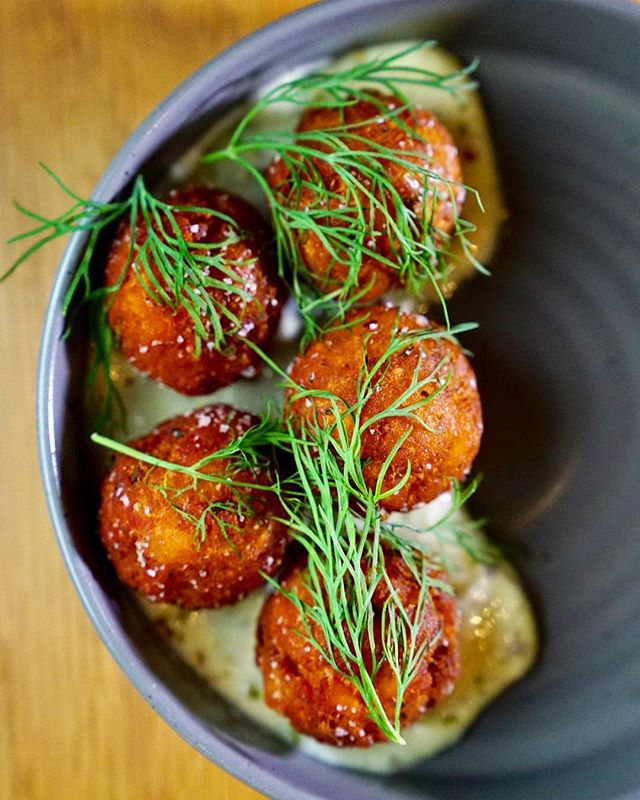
{"x": 439, "y": 450}
{"x": 431, "y": 148}
{"x": 153, "y": 544}
{"x": 318, "y": 701}
{"x": 159, "y": 340}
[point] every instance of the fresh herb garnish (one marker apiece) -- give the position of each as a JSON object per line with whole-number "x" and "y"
{"x": 338, "y": 520}
{"x": 343, "y": 222}
{"x": 173, "y": 270}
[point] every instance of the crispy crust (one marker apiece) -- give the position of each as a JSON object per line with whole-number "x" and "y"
{"x": 161, "y": 342}
{"x": 453, "y": 415}
{"x": 318, "y": 701}
{"x": 436, "y": 151}
{"x": 153, "y": 547}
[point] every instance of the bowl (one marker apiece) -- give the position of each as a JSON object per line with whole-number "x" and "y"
{"x": 557, "y": 355}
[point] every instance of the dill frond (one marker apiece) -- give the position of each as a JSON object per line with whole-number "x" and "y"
{"x": 344, "y": 222}
{"x": 337, "y": 519}
{"x": 173, "y": 271}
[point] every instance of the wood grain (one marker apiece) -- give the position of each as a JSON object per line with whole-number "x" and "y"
{"x": 76, "y": 77}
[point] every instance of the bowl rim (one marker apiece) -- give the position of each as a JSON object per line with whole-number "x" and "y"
{"x": 152, "y": 130}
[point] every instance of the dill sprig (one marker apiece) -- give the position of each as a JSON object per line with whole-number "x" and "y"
{"x": 336, "y": 516}
{"x": 246, "y": 454}
{"x": 343, "y": 222}
{"x": 452, "y": 533}
{"x": 346, "y": 549}
{"x": 173, "y": 271}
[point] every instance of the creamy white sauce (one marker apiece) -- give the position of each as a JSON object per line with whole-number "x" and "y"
{"x": 498, "y": 644}
{"x": 498, "y": 637}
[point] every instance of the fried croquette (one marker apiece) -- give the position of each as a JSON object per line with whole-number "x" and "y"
{"x": 439, "y": 450}
{"x": 431, "y": 147}
{"x": 148, "y": 516}
{"x": 318, "y": 701}
{"x": 161, "y": 341}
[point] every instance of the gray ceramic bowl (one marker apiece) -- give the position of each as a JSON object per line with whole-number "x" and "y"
{"x": 558, "y": 358}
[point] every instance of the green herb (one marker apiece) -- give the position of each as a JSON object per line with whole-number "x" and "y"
{"x": 346, "y": 551}
{"x": 451, "y": 533}
{"x": 254, "y": 692}
{"x": 421, "y": 253}
{"x": 337, "y": 518}
{"x": 174, "y": 272}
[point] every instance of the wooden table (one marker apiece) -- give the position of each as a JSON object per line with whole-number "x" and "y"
{"x": 76, "y": 77}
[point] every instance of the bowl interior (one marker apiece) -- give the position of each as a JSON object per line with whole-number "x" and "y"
{"x": 557, "y": 357}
